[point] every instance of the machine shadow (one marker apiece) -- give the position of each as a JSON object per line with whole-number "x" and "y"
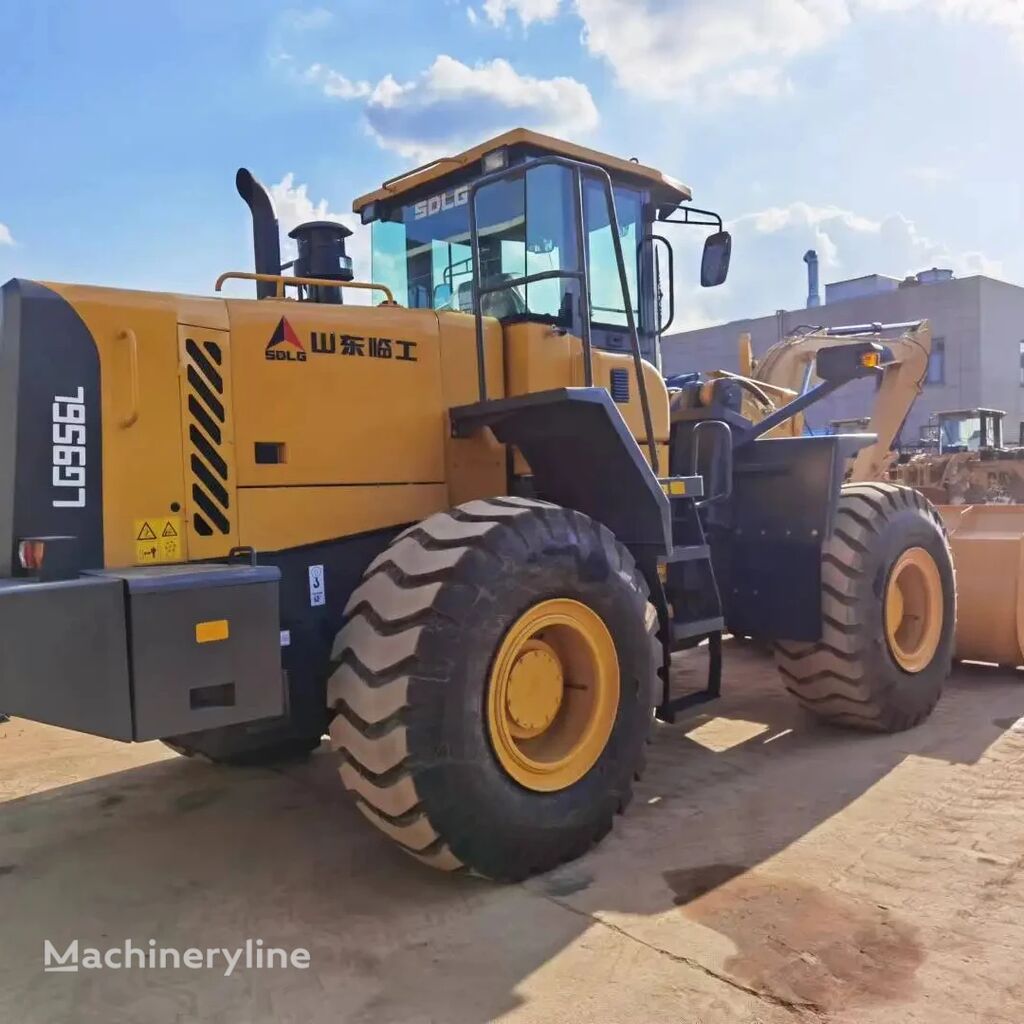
{"x": 195, "y": 855}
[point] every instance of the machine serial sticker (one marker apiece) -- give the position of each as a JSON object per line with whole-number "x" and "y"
{"x": 158, "y": 539}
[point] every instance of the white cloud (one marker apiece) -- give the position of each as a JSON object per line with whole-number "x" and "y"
{"x": 335, "y": 84}
{"x": 472, "y": 15}
{"x": 294, "y": 206}
{"x": 5, "y": 235}
{"x": 666, "y": 48}
{"x": 747, "y": 82}
{"x": 1002, "y": 14}
{"x": 451, "y": 105}
{"x": 768, "y": 272}
{"x": 722, "y": 48}
{"x": 527, "y": 11}
{"x": 306, "y": 21}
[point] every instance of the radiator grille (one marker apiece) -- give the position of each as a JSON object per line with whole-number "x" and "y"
{"x": 211, "y": 501}
{"x": 619, "y": 386}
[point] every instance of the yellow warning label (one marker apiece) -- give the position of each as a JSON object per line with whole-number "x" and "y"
{"x": 158, "y": 539}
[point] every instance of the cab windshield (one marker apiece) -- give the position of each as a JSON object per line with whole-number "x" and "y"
{"x": 960, "y": 432}
{"x": 525, "y": 227}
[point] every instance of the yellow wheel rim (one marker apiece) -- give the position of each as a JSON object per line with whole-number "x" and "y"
{"x": 913, "y": 610}
{"x": 553, "y": 694}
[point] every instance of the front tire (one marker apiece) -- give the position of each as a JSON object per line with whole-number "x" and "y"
{"x": 889, "y": 614}
{"x": 493, "y": 686}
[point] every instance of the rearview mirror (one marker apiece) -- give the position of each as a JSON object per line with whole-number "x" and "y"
{"x": 714, "y": 264}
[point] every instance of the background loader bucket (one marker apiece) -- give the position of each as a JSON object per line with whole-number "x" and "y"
{"x": 988, "y": 554}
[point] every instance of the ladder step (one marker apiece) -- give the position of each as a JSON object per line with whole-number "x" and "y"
{"x": 689, "y": 553}
{"x": 701, "y": 627}
{"x": 669, "y": 706}
{"x": 683, "y": 703}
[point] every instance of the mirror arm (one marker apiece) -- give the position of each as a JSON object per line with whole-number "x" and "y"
{"x": 664, "y": 216}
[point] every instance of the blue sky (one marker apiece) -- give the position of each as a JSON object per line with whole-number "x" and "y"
{"x": 885, "y": 133}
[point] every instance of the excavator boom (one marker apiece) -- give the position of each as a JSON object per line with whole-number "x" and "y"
{"x": 987, "y": 540}
{"x": 789, "y": 364}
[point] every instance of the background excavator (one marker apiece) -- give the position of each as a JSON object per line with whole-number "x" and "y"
{"x": 790, "y": 364}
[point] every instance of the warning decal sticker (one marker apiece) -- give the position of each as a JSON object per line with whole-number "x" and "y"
{"x": 158, "y": 539}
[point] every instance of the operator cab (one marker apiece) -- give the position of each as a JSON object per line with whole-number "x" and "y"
{"x": 530, "y": 228}
{"x": 970, "y": 430}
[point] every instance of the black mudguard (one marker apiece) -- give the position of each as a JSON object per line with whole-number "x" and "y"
{"x": 583, "y": 457}
{"x": 767, "y": 538}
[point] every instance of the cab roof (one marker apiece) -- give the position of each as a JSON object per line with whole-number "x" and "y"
{"x": 666, "y": 189}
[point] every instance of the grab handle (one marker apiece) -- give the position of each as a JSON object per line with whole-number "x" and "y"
{"x": 133, "y": 370}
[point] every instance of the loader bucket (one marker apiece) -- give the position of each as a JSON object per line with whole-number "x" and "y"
{"x": 988, "y": 555}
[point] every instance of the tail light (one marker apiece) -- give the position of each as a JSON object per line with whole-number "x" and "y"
{"x": 50, "y": 558}
{"x": 31, "y": 554}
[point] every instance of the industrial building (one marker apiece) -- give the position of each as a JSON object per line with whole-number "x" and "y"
{"x": 977, "y": 350}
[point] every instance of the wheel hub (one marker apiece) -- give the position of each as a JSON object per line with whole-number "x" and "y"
{"x": 913, "y": 610}
{"x": 553, "y": 694}
{"x": 535, "y": 688}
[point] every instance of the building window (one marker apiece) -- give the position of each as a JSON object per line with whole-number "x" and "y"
{"x": 936, "y": 373}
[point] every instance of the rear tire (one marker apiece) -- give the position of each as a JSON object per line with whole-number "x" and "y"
{"x": 413, "y": 687}
{"x": 862, "y": 673}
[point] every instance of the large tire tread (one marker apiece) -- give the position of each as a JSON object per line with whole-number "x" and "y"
{"x": 838, "y": 677}
{"x": 377, "y": 669}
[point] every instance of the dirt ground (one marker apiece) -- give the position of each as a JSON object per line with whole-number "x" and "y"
{"x": 770, "y": 869}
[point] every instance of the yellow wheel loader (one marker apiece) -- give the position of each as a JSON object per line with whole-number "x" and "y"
{"x": 977, "y": 485}
{"x": 969, "y": 464}
{"x": 459, "y": 529}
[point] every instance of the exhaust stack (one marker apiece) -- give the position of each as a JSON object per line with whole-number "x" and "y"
{"x": 813, "y": 294}
{"x": 266, "y": 239}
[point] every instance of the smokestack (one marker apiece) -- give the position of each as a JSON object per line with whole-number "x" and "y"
{"x": 266, "y": 241}
{"x": 813, "y": 296}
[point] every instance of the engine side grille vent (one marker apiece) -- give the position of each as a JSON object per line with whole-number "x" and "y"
{"x": 206, "y": 421}
{"x": 619, "y": 386}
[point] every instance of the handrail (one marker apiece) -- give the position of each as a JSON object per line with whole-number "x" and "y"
{"x": 712, "y": 425}
{"x": 652, "y": 238}
{"x": 127, "y": 334}
{"x": 638, "y": 361}
{"x": 518, "y": 282}
{"x": 283, "y": 282}
{"x": 578, "y": 168}
{"x": 417, "y": 170}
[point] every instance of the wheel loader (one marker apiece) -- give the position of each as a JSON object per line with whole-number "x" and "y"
{"x": 458, "y": 529}
{"x": 969, "y": 464}
{"x": 973, "y": 480}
